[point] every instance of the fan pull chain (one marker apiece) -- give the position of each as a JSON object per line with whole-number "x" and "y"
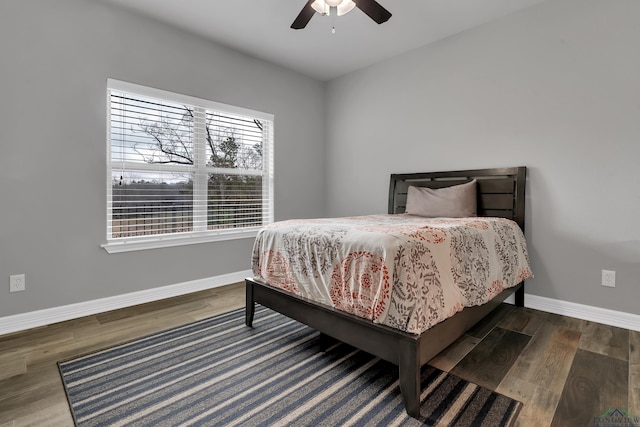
{"x": 333, "y": 21}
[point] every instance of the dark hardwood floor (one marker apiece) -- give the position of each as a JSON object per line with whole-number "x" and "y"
{"x": 566, "y": 371}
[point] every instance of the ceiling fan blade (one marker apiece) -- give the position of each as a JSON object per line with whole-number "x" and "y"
{"x": 374, "y": 10}
{"x": 304, "y": 16}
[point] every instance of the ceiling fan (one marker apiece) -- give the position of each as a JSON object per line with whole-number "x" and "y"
{"x": 339, "y": 7}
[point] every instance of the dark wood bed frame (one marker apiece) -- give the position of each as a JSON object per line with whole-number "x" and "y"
{"x": 501, "y": 193}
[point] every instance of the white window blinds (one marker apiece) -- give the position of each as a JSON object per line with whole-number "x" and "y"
{"x": 180, "y": 166}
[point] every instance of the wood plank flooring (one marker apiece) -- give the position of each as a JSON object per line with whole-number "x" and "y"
{"x": 566, "y": 371}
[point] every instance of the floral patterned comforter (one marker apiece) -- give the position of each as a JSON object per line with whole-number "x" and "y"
{"x": 403, "y": 271}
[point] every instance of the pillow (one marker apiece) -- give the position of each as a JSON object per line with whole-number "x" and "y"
{"x": 457, "y": 201}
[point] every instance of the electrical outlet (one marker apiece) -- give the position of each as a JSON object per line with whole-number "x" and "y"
{"x": 609, "y": 278}
{"x": 16, "y": 283}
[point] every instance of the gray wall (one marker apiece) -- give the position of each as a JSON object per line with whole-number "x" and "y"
{"x": 556, "y": 88}
{"x": 55, "y": 57}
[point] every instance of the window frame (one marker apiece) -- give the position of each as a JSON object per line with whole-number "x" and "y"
{"x": 198, "y": 235}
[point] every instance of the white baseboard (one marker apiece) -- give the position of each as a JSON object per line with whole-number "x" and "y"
{"x": 34, "y": 319}
{"x": 605, "y": 316}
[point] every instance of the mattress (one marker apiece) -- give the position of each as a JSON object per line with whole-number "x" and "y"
{"x": 402, "y": 271}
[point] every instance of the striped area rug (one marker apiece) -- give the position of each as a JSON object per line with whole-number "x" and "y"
{"x": 218, "y": 372}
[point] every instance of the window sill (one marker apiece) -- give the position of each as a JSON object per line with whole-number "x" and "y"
{"x": 140, "y": 244}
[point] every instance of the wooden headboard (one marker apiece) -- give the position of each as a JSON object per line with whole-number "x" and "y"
{"x": 500, "y": 191}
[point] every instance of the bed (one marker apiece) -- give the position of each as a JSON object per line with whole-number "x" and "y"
{"x": 500, "y": 194}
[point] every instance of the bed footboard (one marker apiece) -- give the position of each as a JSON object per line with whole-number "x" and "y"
{"x": 395, "y": 346}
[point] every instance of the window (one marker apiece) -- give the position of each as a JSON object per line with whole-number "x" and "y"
{"x": 184, "y": 170}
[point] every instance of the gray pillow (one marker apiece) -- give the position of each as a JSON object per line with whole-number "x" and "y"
{"x": 457, "y": 201}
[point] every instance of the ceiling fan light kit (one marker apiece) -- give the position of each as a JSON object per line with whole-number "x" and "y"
{"x": 371, "y": 8}
{"x": 324, "y": 7}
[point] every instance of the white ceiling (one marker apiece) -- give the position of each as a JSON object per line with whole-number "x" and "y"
{"x": 261, "y": 28}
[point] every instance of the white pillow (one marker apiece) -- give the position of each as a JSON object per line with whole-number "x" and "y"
{"x": 457, "y": 201}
